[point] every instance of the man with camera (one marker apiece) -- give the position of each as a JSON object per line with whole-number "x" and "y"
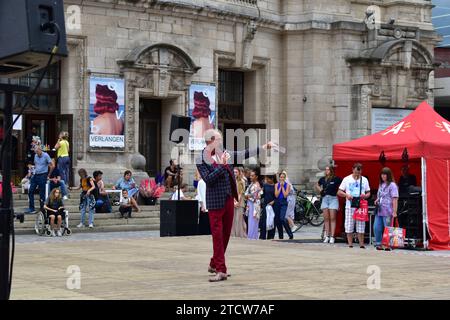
{"x": 354, "y": 188}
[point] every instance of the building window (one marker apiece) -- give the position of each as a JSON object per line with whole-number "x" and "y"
{"x": 47, "y": 97}
{"x": 231, "y": 96}
{"x": 246, "y": 2}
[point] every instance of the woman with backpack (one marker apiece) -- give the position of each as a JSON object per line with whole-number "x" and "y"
{"x": 87, "y": 199}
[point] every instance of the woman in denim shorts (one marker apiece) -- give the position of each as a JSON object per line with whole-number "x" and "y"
{"x": 328, "y": 187}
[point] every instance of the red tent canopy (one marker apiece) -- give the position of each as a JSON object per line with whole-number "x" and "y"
{"x": 424, "y": 134}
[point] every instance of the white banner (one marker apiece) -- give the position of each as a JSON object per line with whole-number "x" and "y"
{"x": 383, "y": 118}
{"x": 110, "y": 141}
{"x": 18, "y": 124}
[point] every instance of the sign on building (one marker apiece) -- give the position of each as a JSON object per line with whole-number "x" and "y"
{"x": 106, "y": 112}
{"x": 202, "y": 110}
{"x": 383, "y": 118}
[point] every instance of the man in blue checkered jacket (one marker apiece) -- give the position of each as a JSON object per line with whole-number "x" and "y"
{"x": 217, "y": 172}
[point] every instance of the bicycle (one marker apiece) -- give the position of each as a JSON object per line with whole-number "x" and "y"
{"x": 307, "y": 210}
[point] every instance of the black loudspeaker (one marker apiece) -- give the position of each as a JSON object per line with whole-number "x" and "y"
{"x": 25, "y": 44}
{"x": 179, "y": 122}
{"x": 178, "y": 218}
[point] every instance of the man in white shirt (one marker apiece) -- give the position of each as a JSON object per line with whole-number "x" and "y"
{"x": 353, "y": 186}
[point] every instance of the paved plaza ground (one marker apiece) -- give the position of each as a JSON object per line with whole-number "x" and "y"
{"x": 141, "y": 265}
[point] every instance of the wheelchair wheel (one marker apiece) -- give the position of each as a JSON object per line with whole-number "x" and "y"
{"x": 39, "y": 225}
{"x": 67, "y": 232}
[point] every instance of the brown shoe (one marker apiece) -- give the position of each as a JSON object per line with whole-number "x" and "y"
{"x": 212, "y": 270}
{"x": 220, "y": 276}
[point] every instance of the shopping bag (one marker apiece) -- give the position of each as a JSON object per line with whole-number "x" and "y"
{"x": 270, "y": 216}
{"x": 394, "y": 237}
{"x": 362, "y": 213}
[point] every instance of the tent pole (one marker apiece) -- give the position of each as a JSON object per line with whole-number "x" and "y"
{"x": 424, "y": 202}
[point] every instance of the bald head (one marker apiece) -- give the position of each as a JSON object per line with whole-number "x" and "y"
{"x": 213, "y": 135}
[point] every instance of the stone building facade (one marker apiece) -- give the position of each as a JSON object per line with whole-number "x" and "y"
{"x": 312, "y": 68}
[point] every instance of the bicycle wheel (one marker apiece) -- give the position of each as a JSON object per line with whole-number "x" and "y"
{"x": 316, "y": 216}
{"x": 300, "y": 217}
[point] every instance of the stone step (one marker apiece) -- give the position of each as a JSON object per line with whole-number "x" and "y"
{"x": 30, "y": 218}
{"x": 75, "y": 208}
{"x": 99, "y": 223}
{"x": 75, "y": 195}
{"x": 100, "y": 220}
{"x": 107, "y": 228}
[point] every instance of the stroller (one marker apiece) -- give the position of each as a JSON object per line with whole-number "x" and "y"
{"x": 42, "y": 224}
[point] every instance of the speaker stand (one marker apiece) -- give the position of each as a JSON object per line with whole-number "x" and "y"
{"x": 178, "y": 172}
{"x": 6, "y": 211}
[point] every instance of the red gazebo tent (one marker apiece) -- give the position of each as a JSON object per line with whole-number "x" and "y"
{"x": 425, "y": 136}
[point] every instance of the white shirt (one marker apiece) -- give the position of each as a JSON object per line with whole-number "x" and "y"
{"x": 351, "y": 186}
{"x": 201, "y": 194}
{"x": 125, "y": 201}
{"x": 175, "y": 195}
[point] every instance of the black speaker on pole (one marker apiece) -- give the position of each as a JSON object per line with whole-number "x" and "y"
{"x": 179, "y": 122}
{"x": 26, "y": 38}
{"x": 178, "y": 218}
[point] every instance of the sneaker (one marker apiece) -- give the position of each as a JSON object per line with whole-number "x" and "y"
{"x": 332, "y": 240}
{"x": 80, "y": 225}
{"x": 52, "y": 233}
{"x": 294, "y": 228}
{"x": 326, "y": 240}
{"x": 65, "y": 198}
{"x": 29, "y": 211}
{"x": 59, "y": 233}
{"x": 91, "y": 225}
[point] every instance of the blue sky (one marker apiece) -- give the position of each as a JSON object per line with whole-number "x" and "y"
{"x": 441, "y": 20}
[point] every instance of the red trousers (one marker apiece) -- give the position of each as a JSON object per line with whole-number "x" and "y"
{"x": 221, "y": 222}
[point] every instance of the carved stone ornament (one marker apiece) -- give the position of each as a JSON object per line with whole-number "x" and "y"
{"x": 247, "y": 50}
{"x": 158, "y": 69}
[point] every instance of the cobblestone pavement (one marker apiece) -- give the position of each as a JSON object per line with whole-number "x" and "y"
{"x": 141, "y": 265}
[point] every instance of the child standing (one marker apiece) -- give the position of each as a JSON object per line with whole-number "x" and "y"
{"x": 27, "y": 179}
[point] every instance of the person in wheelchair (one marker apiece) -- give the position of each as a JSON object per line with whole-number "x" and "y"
{"x": 54, "y": 207}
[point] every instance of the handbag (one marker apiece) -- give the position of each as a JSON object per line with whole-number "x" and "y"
{"x": 357, "y": 200}
{"x": 394, "y": 237}
{"x": 270, "y": 217}
{"x": 362, "y": 213}
{"x": 375, "y": 210}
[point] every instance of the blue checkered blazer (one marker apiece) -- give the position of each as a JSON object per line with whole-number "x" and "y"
{"x": 218, "y": 184}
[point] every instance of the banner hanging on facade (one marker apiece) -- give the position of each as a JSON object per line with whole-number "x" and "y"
{"x": 202, "y": 111}
{"x": 106, "y": 112}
